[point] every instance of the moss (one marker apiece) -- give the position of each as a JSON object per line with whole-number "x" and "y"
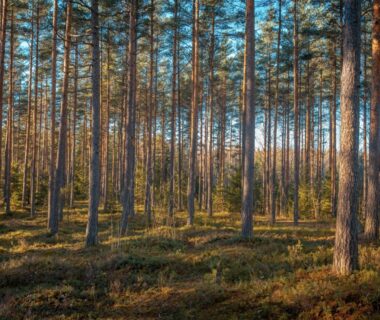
{"x": 203, "y": 272}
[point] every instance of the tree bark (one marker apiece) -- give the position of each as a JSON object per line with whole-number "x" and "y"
{"x": 52, "y": 225}
{"x": 179, "y": 119}
{"x": 28, "y": 123}
{"x": 2, "y": 56}
{"x": 74, "y": 121}
{"x": 346, "y": 236}
{"x": 106, "y": 128}
{"x": 194, "y": 116}
{"x": 8, "y": 146}
{"x": 320, "y": 152}
{"x": 273, "y": 193}
{"x": 173, "y": 114}
{"x": 129, "y": 183}
{"x": 296, "y": 117}
{"x": 33, "y": 183}
{"x": 150, "y": 106}
{"x": 94, "y": 183}
{"x": 372, "y": 216}
{"x": 249, "y": 124}
{"x": 211, "y": 115}
{"x": 57, "y": 205}
{"x": 365, "y": 154}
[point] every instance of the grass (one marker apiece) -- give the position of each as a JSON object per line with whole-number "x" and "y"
{"x": 201, "y": 272}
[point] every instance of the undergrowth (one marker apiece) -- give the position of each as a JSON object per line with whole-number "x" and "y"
{"x": 201, "y": 272}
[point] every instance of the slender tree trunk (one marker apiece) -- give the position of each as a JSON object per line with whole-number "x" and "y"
{"x": 283, "y": 160}
{"x": 346, "y": 236}
{"x": 33, "y": 183}
{"x": 163, "y": 152}
{"x": 154, "y": 128}
{"x": 365, "y": 158}
{"x": 249, "y": 123}
{"x": 200, "y": 157}
{"x": 287, "y": 157}
{"x": 194, "y": 116}
{"x": 2, "y": 56}
{"x": 320, "y": 153}
{"x": 107, "y": 128}
{"x": 268, "y": 141}
{"x": 8, "y": 146}
{"x": 149, "y": 169}
{"x": 173, "y": 111}
{"x": 308, "y": 117}
{"x": 223, "y": 112}
{"x": 265, "y": 161}
{"x": 179, "y": 144}
{"x": 74, "y": 119}
{"x": 39, "y": 137}
{"x": 296, "y": 117}
{"x": 28, "y": 123}
{"x": 372, "y": 216}
{"x": 273, "y": 193}
{"x": 129, "y": 184}
{"x": 52, "y": 219}
{"x": 211, "y": 117}
{"x": 57, "y": 205}
{"x": 45, "y": 158}
{"x": 94, "y": 183}
{"x": 333, "y": 153}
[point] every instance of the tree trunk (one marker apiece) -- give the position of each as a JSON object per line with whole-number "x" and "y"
{"x": 346, "y": 237}
{"x": 320, "y": 153}
{"x": 28, "y": 123}
{"x": 94, "y": 183}
{"x": 149, "y": 169}
{"x": 8, "y": 146}
{"x": 194, "y": 117}
{"x": 249, "y": 123}
{"x": 179, "y": 144}
{"x": 52, "y": 222}
{"x": 268, "y": 134}
{"x": 372, "y": 216}
{"x": 273, "y": 193}
{"x": 128, "y": 198}
{"x": 223, "y": 112}
{"x": 173, "y": 114}
{"x": 333, "y": 158}
{"x": 211, "y": 117}
{"x": 35, "y": 146}
{"x": 57, "y": 205}
{"x": 2, "y": 56}
{"x": 74, "y": 120}
{"x": 106, "y": 128}
{"x": 365, "y": 158}
{"x": 296, "y": 118}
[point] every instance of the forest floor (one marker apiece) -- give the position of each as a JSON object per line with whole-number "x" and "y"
{"x": 201, "y": 272}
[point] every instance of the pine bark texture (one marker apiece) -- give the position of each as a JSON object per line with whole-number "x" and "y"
{"x": 249, "y": 124}
{"x": 129, "y": 183}
{"x": 94, "y": 183}
{"x": 372, "y": 215}
{"x": 194, "y": 117}
{"x": 346, "y": 235}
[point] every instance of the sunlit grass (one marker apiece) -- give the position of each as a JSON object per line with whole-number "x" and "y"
{"x": 202, "y": 272}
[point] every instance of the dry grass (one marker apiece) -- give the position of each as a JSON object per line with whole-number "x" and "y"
{"x": 201, "y": 272}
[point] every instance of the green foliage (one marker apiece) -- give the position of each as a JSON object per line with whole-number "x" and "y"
{"x": 80, "y": 185}
{"x": 229, "y": 197}
{"x": 42, "y": 191}
{"x": 201, "y": 272}
{"x": 16, "y": 184}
